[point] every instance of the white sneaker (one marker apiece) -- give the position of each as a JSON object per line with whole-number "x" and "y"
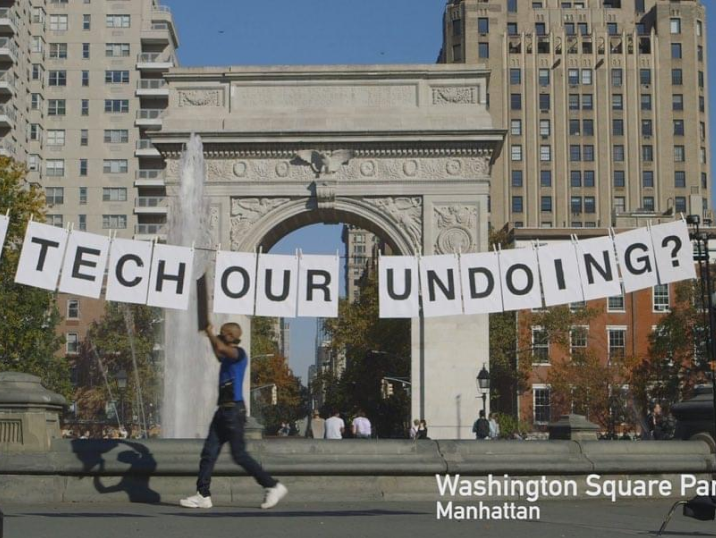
{"x": 273, "y": 495}
{"x": 197, "y": 501}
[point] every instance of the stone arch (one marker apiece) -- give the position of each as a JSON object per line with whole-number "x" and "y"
{"x": 291, "y": 215}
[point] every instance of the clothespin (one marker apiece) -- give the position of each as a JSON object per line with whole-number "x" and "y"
{"x": 192, "y": 244}
{"x": 7, "y": 213}
{"x": 31, "y": 217}
{"x": 682, "y": 216}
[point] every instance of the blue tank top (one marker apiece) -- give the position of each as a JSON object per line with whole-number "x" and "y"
{"x": 231, "y": 378}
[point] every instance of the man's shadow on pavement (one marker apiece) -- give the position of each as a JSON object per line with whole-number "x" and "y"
{"x": 134, "y": 481}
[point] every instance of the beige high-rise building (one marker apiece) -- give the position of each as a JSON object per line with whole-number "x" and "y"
{"x": 359, "y": 250}
{"x": 604, "y": 101}
{"x": 82, "y": 86}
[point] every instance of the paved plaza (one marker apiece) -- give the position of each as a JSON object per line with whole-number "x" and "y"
{"x": 558, "y": 519}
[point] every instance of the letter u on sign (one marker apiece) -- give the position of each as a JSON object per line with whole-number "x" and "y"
{"x": 276, "y": 286}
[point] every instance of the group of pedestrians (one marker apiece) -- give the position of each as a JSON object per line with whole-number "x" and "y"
{"x": 419, "y": 429}
{"x": 484, "y": 428}
{"x": 335, "y": 427}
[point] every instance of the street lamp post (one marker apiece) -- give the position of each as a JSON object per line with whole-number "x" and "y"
{"x": 483, "y": 385}
{"x": 122, "y": 386}
{"x": 702, "y": 249}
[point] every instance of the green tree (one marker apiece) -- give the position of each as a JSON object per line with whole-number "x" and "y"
{"x": 292, "y": 397}
{"x": 28, "y": 316}
{"x": 111, "y": 341}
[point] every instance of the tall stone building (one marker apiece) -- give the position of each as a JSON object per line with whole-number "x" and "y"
{"x": 80, "y": 87}
{"x": 605, "y": 103}
{"x": 359, "y": 250}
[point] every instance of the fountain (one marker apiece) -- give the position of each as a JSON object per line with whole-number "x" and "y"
{"x": 190, "y": 371}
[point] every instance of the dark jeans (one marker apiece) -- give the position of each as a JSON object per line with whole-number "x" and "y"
{"x": 227, "y": 426}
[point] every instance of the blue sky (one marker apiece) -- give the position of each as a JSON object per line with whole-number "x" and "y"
{"x": 291, "y": 32}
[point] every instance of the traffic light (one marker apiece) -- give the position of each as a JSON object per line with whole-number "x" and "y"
{"x": 274, "y": 395}
{"x": 390, "y": 389}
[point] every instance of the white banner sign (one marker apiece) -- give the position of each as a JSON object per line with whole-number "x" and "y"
{"x": 41, "y": 256}
{"x": 235, "y": 283}
{"x": 559, "y": 269}
{"x": 130, "y": 263}
{"x": 481, "y": 286}
{"x": 398, "y": 287}
{"x": 85, "y": 260}
{"x": 673, "y": 252}
{"x": 598, "y": 268}
{"x": 4, "y": 223}
{"x": 636, "y": 259}
{"x": 519, "y": 270}
{"x": 170, "y": 281}
{"x": 277, "y": 286}
{"x": 440, "y": 285}
{"x": 318, "y": 286}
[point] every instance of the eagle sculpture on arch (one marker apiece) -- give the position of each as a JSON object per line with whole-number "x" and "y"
{"x": 324, "y": 162}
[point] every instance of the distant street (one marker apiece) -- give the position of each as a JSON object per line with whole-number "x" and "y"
{"x": 593, "y": 519}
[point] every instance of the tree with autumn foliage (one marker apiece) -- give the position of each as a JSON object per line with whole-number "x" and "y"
{"x": 374, "y": 348}
{"x": 28, "y": 316}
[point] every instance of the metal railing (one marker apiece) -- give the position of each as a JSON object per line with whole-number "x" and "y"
{"x": 151, "y": 84}
{"x": 151, "y": 201}
{"x": 163, "y": 9}
{"x": 150, "y": 113}
{"x": 6, "y": 76}
{"x": 150, "y": 174}
{"x": 154, "y": 57}
{"x": 150, "y": 229}
{"x": 160, "y": 26}
{"x": 145, "y": 144}
{"x": 6, "y": 13}
{"x": 5, "y": 110}
{"x": 6, "y": 43}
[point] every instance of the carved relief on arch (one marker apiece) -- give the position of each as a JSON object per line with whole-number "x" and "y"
{"x": 456, "y": 227}
{"x": 246, "y": 212}
{"x": 406, "y": 213}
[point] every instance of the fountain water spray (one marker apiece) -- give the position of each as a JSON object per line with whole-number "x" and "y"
{"x": 190, "y": 370}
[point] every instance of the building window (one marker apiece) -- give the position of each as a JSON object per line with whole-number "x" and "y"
{"x": 58, "y": 78}
{"x": 84, "y": 137}
{"x": 647, "y": 179}
{"x": 115, "y": 166}
{"x": 118, "y": 21}
{"x": 617, "y": 101}
{"x": 82, "y": 222}
{"x": 512, "y": 6}
{"x": 574, "y": 128}
{"x": 517, "y": 204}
{"x": 612, "y": 28}
{"x": 648, "y": 203}
{"x": 588, "y": 127}
{"x": 646, "y": 128}
{"x": 457, "y": 52}
{"x": 589, "y": 178}
{"x": 85, "y": 51}
{"x": 457, "y": 27}
{"x": 617, "y": 342}
{"x": 115, "y": 194}
{"x": 573, "y": 101}
{"x": 702, "y": 104}
{"x": 645, "y": 101}
{"x": 675, "y": 26}
{"x": 588, "y": 153}
{"x": 516, "y": 101}
{"x": 83, "y": 195}
{"x": 541, "y": 410}
{"x": 617, "y": 77}
{"x": 55, "y": 167}
{"x": 677, "y": 77}
{"x": 35, "y": 101}
{"x": 575, "y": 178}
{"x": 578, "y": 338}
{"x": 619, "y": 204}
{"x": 619, "y": 178}
{"x": 545, "y": 153}
{"x": 116, "y": 77}
{"x": 680, "y": 204}
{"x": 618, "y": 127}
{"x": 679, "y": 154}
{"x": 72, "y": 345}
{"x": 483, "y": 50}
{"x": 512, "y": 28}
{"x": 680, "y": 179}
{"x": 676, "y": 51}
{"x": 544, "y": 102}
{"x": 83, "y": 167}
{"x": 544, "y": 77}
{"x": 660, "y": 295}
{"x": 114, "y": 222}
{"x": 546, "y": 204}
{"x": 575, "y": 204}
{"x": 85, "y": 107}
{"x": 117, "y": 50}
{"x": 73, "y": 309}
{"x": 677, "y": 101}
{"x": 517, "y": 178}
{"x": 58, "y": 23}
{"x": 483, "y": 25}
{"x": 645, "y": 76}
{"x": 516, "y": 152}
{"x": 575, "y": 153}
{"x": 616, "y": 302}
{"x": 55, "y": 195}
{"x": 590, "y": 205}
{"x": 515, "y": 76}
{"x": 85, "y": 78}
{"x": 573, "y": 77}
{"x": 58, "y": 51}
{"x": 116, "y": 136}
{"x": 545, "y": 178}
{"x": 56, "y": 137}
{"x": 54, "y": 220}
{"x": 569, "y": 28}
{"x": 586, "y": 77}
{"x": 540, "y": 28}
{"x": 86, "y": 22}
{"x": 647, "y": 153}
{"x": 116, "y": 106}
{"x": 587, "y": 101}
{"x": 516, "y": 127}
{"x": 702, "y": 129}
{"x": 618, "y": 153}
{"x": 544, "y": 127}
{"x": 540, "y": 346}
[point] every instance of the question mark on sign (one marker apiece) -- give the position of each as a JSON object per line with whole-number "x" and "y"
{"x": 674, "y": 251}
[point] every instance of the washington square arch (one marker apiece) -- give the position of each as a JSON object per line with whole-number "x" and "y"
{"x": 402, "y": 151}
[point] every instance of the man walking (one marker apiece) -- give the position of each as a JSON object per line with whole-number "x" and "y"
{"x": 335, "y": 426}
{"x": 228, "y": 422}
{"x": 481, "y": 428}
